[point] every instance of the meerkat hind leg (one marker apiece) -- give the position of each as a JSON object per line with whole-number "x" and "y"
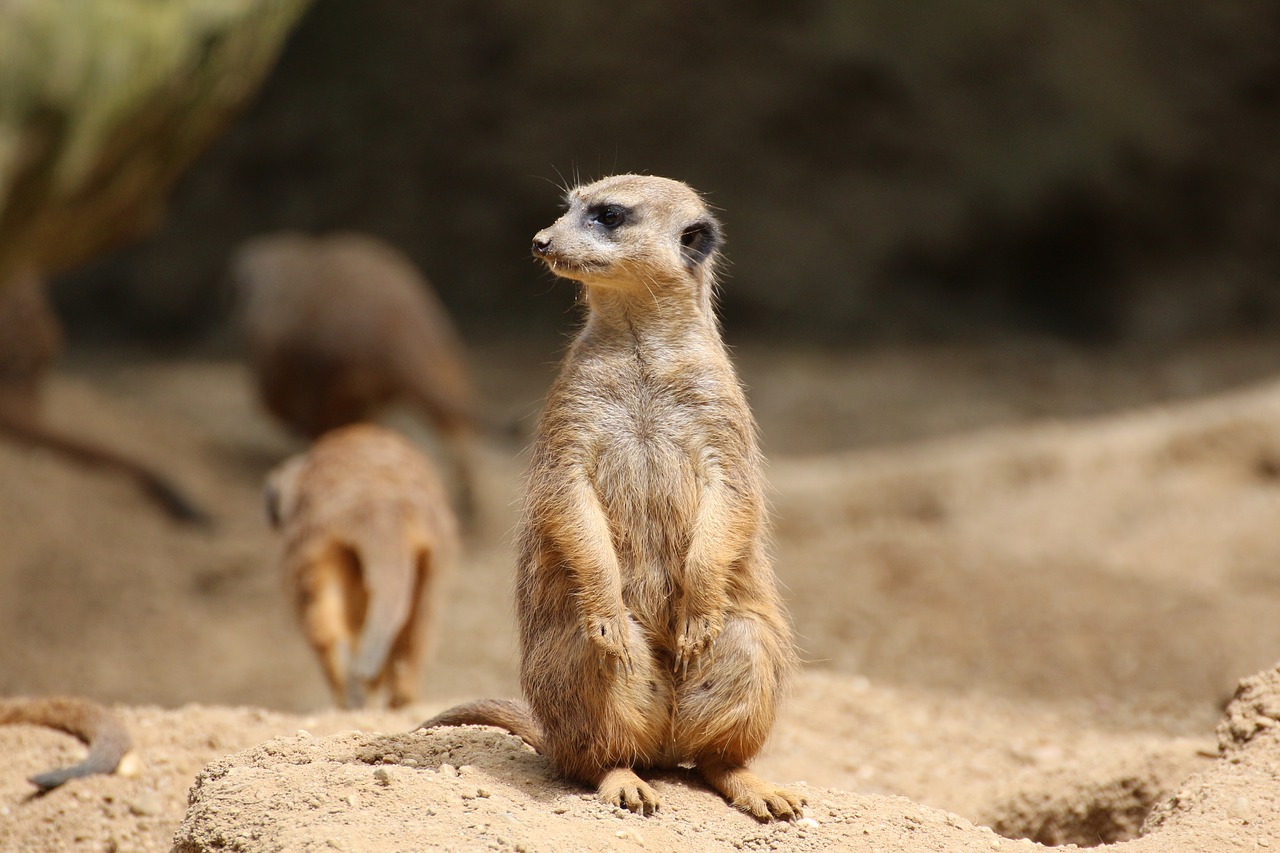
{"x": 404, "y": 663}
{"x": 724, "y": 713}
{"x": 332, "y": 607}
{"x": 622, "y": 787}
{"x": 761, "y": 799}
{"x": 601, "y": 721}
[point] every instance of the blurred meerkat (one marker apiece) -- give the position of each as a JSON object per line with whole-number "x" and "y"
{"x": 367, "y": 533}
{"x": 651, "y": 631}
{"x": 342, "y": 325}
{"x": 30, "y": 341}
{"x": 107, "y": 738}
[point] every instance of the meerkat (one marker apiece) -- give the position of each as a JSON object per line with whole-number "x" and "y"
{"x": 30, "y": 341}
{"x": 339, "y": 326}
{"x": 651, "y": 631}
{"x": 367, "y": 533}
{"x": 107, "y": 738}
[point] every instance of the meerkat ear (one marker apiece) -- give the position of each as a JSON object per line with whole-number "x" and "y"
{"x": 699, "y": 240}
{"x": 280, "y": 494}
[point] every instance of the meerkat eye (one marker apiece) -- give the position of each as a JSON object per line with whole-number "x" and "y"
{"x": 610, "y": 215}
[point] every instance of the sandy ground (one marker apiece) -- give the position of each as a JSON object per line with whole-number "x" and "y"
{"x": 1026, "y": 580}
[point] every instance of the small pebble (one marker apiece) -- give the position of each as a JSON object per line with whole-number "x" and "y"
{"x": 630, "y": 834}
{"x": 145, "y": 805}
{"x": 382, "y": 775}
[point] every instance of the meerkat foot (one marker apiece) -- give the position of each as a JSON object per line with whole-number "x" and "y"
{"x": 623, "y": 788}
{"x": 609, "y": 635}
{"x": 762, "y": 800}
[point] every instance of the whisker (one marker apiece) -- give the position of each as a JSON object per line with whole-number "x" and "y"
{"x": 564, "y": 182}
{"x": 559, "y": 186}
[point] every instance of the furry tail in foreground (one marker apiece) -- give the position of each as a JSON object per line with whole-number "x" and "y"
{"x": 106, "y": 736}
{"x": 509, "y": 714}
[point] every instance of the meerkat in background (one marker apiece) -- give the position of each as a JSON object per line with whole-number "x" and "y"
{"x": 340, "y": 326}
{"x": 30, "y": 341}
{"x": 651, "y": 630}
{"x": 102, "y": 731}
{"x": 367, "y": 533}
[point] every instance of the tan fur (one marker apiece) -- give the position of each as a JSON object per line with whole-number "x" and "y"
{"x": 106, "y": 736}
{"x": 367, "y": 533}
{"x": 340, "y": 326}
{"x": 651, "y": 631}
{"x": 30, "y": 341}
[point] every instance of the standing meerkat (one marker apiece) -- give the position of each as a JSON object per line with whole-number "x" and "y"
{"x": 651, "y": 630}
{"x": 342, "y": 325}
{"x": 367, "y": 533}
{"x": 106, "y": 736}
{"x": 30, "y": 341}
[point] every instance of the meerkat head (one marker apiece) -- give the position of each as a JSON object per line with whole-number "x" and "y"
{"x": 632, "y": 232}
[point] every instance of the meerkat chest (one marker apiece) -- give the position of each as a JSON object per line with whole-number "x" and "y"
{"x": 645, "y": 425}
{"x": 646, "y": 438}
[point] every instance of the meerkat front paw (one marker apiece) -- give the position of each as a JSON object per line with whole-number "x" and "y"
{"x": 609, "y": 634}
{"x": 697, "y": 634}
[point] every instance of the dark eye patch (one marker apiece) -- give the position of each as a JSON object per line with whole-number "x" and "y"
{"x": 608, "y": 215}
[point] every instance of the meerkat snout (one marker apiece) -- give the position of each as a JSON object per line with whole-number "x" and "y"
{"x": 541, "y": 244}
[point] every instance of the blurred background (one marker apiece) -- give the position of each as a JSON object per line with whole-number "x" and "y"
{"x": 1095, "y": 171}
{"x": 970, "y": 246}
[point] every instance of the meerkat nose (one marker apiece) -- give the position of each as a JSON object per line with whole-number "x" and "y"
{"x": 541, "y": 244}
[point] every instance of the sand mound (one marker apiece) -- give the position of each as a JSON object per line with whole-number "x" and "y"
{"x": 363, "y": 780}
{"x": 472, "y": 789}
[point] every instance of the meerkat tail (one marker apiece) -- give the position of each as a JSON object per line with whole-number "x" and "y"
{"x": 168, "y": 496}
{"x": 391, "y": 578}
{"x": 509, "y": 714}
{"x": 106, "y": 736}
